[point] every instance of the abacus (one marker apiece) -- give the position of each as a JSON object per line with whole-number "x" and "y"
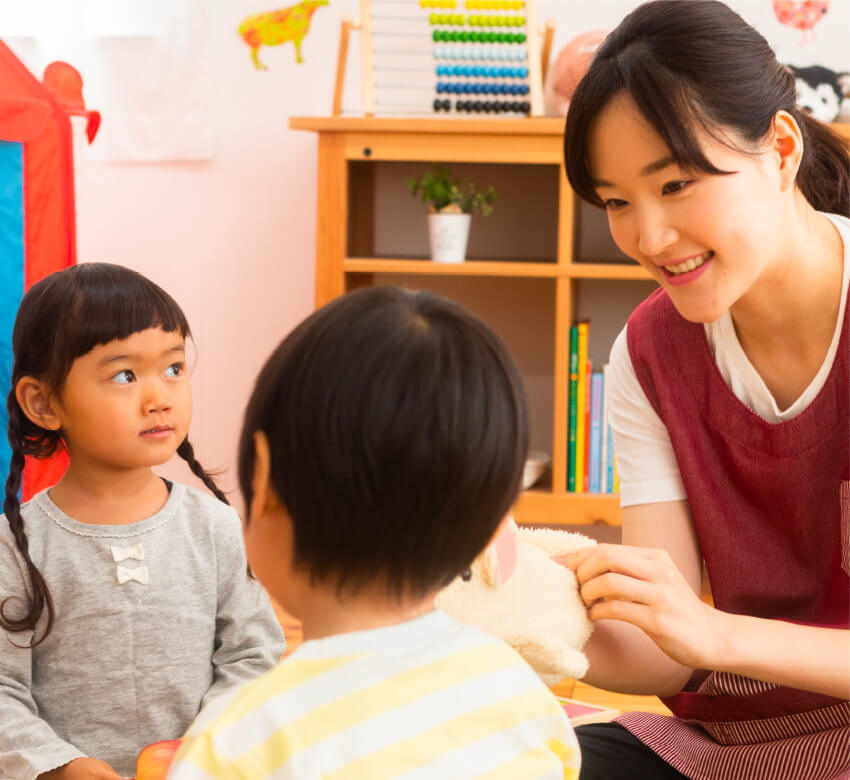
{"x": 439, "y": 57}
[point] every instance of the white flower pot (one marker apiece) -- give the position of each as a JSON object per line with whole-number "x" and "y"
{"x": 449, "y": 233}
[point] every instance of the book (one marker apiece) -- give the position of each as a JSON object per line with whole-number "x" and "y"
{"x": 603, "y": 458}
{"x": 616, "y": 477}
{"x": 587, "y": 398}
{"x": 571, "y": 430}
{"x": 610, "y": 486}
{"x": 580, "y": 712}
{"x": 595, "y": 462}
{"x": 581, "y": 388}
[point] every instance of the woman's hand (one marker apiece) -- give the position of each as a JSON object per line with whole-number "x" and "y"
{"x": 643, "y": 587}
{"x": 82, "y": 769}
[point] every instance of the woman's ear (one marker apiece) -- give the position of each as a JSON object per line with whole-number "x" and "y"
{"x": 264, "y": 500}
{"x": 787, "y": 145}
{"x": 38, "y": 403}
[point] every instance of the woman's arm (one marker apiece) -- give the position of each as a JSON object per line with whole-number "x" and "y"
{"x": 807, "y": 657}
{"x": 649, "y": 593}
{"x": 622, "y": 656}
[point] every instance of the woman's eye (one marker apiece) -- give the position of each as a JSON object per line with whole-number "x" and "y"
{"x": 175, "y": 369}
{"x": 672, "y": 187}
{"x": 612, "y": 204}
{"x": 124, "y": 377}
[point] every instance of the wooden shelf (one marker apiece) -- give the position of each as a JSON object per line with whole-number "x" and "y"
{"x": 349, "y": 148}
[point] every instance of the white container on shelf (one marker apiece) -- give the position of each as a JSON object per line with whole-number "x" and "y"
{"x": 535, "y": 465}
{"x": 449, "y": 234}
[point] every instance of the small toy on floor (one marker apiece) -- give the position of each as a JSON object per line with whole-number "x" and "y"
{"x": 514, "y": 590}
{"x": 155, "y": 759}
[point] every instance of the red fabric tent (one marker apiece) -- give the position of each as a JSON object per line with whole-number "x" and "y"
{"x": 38, "y": 235}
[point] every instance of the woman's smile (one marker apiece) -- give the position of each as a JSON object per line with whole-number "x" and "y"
{"x": 687, "y": 270}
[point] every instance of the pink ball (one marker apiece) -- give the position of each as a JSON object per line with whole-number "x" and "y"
{"x": 568, "y": 69}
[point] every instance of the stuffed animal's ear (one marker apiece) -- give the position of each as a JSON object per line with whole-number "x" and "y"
{"x": 504, "y": 545}
{"x": 498, "y": 561}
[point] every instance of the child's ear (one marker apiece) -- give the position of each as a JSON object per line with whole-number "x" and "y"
{"x": 38, "y": 403}
{"x": 264, "y": 500}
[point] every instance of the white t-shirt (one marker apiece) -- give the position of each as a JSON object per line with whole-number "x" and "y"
{"x": 427, "y": 698}
{"x": 645, "y": 460}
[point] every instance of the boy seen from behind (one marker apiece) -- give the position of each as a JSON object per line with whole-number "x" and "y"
{"x": 382, "y": 447}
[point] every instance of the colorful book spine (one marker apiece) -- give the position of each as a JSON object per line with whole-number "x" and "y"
{"x": 571, "y": 432}
{"x": 616, "y": 477}
{"x": 603, "y": 465}
{"x": 587, "y": 397}
{"x": 581, "y": 385}
{"x": 595, "y": 462}
{"x": 610, "y": 485}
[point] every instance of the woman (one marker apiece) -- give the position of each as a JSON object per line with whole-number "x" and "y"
{"x": 729, "y": 405}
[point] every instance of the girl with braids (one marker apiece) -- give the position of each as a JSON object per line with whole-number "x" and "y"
{"x": 729, "y": 396}
{"x": 125, "y": 601}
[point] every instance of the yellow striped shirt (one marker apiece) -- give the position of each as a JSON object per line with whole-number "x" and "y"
{"x": 429, "y": 698}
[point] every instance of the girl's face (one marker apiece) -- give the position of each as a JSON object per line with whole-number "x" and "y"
{"x": 127, "y": 404}
{"x": 705, "y": 238}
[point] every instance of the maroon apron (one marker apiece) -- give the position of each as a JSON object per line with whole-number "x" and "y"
{"x": 771, "y": 506}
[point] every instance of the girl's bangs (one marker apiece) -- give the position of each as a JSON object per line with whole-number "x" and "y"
{"x": 109, "y": 306}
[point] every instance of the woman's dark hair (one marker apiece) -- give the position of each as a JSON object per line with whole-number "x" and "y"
{"x": 398, "y": 432}
{"x": 689, "y": 63}
{"x": 61, "y": 318}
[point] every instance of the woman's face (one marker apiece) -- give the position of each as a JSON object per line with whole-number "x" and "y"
{"x": 705, "y": 238}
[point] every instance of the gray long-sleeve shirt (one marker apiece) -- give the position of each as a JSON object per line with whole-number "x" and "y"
{"x": 127, "y": 662}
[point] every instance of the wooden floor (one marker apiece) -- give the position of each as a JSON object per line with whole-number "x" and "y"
{"x": 572, "y": 689}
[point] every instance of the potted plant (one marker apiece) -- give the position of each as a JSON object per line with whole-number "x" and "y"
{"x": 450, "y": 207}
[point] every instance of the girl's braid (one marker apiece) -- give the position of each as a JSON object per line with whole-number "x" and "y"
{"x": 40, "y": 594}
{"x": 186, "y": 451}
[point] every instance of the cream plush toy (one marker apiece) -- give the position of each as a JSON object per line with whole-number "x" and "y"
{"x": 514, "y": 590}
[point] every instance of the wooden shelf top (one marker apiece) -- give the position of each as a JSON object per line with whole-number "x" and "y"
{"x": 537, "y": 125}
{"x": 552, "y": 126}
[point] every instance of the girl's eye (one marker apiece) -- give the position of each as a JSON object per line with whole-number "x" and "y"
{"x": 124, "y": 377}
{"x": 672, "y": 187}
{"x": 175, "y": 369}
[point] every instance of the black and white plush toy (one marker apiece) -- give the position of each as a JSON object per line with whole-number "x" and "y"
{"x": 823, "y": 93}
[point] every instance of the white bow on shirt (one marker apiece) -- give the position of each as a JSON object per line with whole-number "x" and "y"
{"x": 137, "y": 553}
{"x": 139, "y": 574}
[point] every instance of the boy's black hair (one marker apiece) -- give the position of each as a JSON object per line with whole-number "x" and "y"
{"x": 398, "y": 432}
{"x": 690, "y": 64}
{"x": 61, "y": 318}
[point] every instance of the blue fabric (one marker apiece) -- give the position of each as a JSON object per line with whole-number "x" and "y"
{"x": 11, "y": 274}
